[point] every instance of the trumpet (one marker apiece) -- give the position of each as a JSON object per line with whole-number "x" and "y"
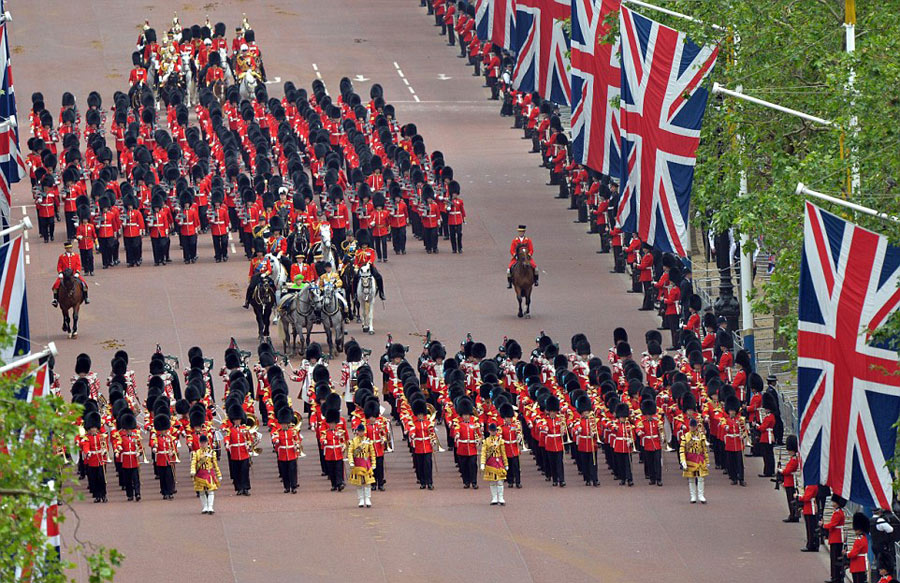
{"x": 436, "y": 440}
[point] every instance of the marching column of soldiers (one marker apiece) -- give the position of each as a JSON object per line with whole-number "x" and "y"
{"x": 196, "y": 145}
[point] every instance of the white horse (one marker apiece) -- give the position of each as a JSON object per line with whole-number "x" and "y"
{"x": 190, "y": 84}
{"x": 248, "y": 85}
{"x": 324, "y": 246}
{"x": 365, "y": 294}
{"x": 279, "y": 275}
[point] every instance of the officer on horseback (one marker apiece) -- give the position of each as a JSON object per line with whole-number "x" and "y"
{"x": 518, "y": 241}
{"x": 365, "y": 255}
{"x": 68, "y": 260}
{"x": 277, "y": 244}
{"x": 260, "y": 267}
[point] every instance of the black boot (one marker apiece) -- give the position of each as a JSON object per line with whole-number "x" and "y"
{"x": 536, "y": 277}
{"x": 55, "y": 302}
{"x": 84, "y": 291}
{"x": 508, "y": 282}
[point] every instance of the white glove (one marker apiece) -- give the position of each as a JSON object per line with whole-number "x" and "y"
{"x": 482, "y": 467}
{"x": 683, "y": 466}
{"x": 60, "y": 275}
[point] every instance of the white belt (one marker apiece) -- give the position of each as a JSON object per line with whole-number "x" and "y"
{"x": 466, "y": 441}
{"x": 333, "y": 446}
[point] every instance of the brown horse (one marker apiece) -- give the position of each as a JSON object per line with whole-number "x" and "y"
{"x": 523, "y": 280}
{"x": 71, "y": 296}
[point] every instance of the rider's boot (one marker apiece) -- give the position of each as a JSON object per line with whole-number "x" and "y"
{"x": 84, "y": 292}
{"x": 536, "y": 277}
{"x": 247, "y": 297}
{"x": 55, "y": 301}
{"x": 508, "y": 280}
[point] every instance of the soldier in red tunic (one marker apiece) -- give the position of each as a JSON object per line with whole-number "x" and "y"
{"x": 68, "y": 260}
{"x": 237, "y": 443}
{"x": 467, "y": 433}
{"x": 421, "y": 436}
{"x": 511, "y": 432}
{"x": 94, "y": 455}
{"x": 520, "y": 240}
{"x": 286, "y": 441}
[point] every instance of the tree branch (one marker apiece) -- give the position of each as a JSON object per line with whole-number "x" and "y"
{"x": 22, "y": 492}
{"x": 838, "y": 16}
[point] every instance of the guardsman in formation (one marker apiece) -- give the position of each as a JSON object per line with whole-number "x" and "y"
{"x": 361, "y": 458}
{"x": 835, "y": 530}
{"x": 787, "y": 475}
{"x": 511, "y": 432}
{"x": 334, "y": 442}
{"x": 68, "y": 261}
{"x": 809, "y": 516}
{"x": 237, "y": 443}
{"x": 94, "y": 453}
{"x": 467, "y": 434}
{"x": 622, "y": 436}
{"x": 651, "y": 433}
{"x": 858, "y": 553}
{"x": 421, "y": 435}
{"x": 494, "y": 464}
{"x": 205, "y": 473}
{"x": 129, "y": 449}
{"x": 164, "y": 446}
{"x": 287, "y": 442}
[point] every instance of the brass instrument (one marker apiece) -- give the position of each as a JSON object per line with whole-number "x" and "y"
{"x": 521, "y": 437}
{"x": 436, "y": 440}
{"x": 567, "y": 439}
{"x": 106, "y": 450}
{"x": 252, "y": 426}
{"x": 144, "y": 459}
{"x": 245, "y": 24}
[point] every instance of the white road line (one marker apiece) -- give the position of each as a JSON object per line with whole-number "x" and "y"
{"x": 399, "y": 72}
{"x": 416, "y": 97}
{"x": 396, "y": 66}
{"x": 24, "y": 211}
{"x": 411, "y": 90}
{"x": 27, "y": 247}
{"x": 28, "y": 260}
{"x": 26, "y": 234}
{"x": 315, "y": 67}
{"x": 405, "y": 80}
{"x": 233, "y": 252}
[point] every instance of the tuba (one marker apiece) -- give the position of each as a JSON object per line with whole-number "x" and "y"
{"x": 252, "y": 425}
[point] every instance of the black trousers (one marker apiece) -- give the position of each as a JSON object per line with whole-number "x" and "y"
{"x": 106, "y": 250}
{"x": 132, "y": 250}
{"x": 734, "y": 463}
{"x": 588, "y": 463}
{"x": 381, "y": 247}
{"x": 131, "y": 477}
{"x": 468, "y": 469}
{"x": 166, "y": 480}
{"x": 338, "y": 236}
{"x": 622, "y": 462}
{"x": 790, "y": 492}
{"x": 398, "y": 239}
{"x": 812, "y": 541}
{"x": 70, "y": 226}
{"x": 335, "y": 471}
{"x": 423, "y": 468}
{"x": 240, "y": 475}
{"x": 96, "y": 476}
{"x": 648, "y": 295}
{"x": 836, "y": 551}
{"x": 220, "y": 246}
{"x": 189, "y": 250}
{"x": 859, "y": 577}
{"x": 114, "y": 249}
{"x": 673, "y": 324}
{"x": 451, "y": 35}
{"x": 247, "y": 240}
{"x": 431, "y": 238}
{"x": 234, "y": 219}
{"x": 87, "y": 260}
{"x": 46, "y": 227}
{"x": 618, "y": 259}
{"x": 160, "y": 247}
{"x": 379, "y": 470}
{"x": 768, "y": 455}
{"x": 444, "y": 228}
{"x": 204, "y": 218}
{"x": 288, "y": 472}
{"x": 555, "y": 467}
{"x": 514, "y": 473}
{"x": 653, "y": 465}
{"x": 456, "y": 237}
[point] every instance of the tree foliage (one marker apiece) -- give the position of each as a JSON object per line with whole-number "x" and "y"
{"x": 31, "y": 473}
{"x": 793, "y": 53}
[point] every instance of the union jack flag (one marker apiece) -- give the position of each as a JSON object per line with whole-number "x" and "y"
{"x": 848, "y": 386}
{"x": 495, "y": 20}
{"x": 661, "y": 111}
{"x": 596, "y": 78}
{"x": 12, "y": 165}
{"x": 13, "y": 303}
{"x": 542, "y": 44}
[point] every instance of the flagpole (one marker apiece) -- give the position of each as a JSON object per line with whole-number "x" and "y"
{"x": 672, "y": 13}
{"x": 25, "y": 360}
{"x": 25, "y": 224}
{"x": 716, "y": 88}
{"x": 803, "y": 189}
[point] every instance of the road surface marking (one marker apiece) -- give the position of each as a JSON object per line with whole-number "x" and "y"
{"x": 416, "y": 97}
{"x": 233, "y": 252}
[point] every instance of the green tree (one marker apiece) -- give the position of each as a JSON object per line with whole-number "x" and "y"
{"x": 31, "y": 473}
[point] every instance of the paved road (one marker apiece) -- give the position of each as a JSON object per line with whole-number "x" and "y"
{"x": 608, "y": 534}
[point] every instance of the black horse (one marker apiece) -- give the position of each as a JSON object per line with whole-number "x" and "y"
{"x": 263, "y": 299}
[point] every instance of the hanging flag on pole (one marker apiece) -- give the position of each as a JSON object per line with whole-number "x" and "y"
{"x": 848, "y": 387}
{"x": 662, "y": 107}
{"x": 495, "y": 20}
{"x": 596, "y": 78}
{"x": 12, "y": 165}
{"x": 13, "y": 301}
{"x": 542, "y": 44}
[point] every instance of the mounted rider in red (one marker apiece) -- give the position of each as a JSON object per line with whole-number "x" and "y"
{"x": 520, "y": 239}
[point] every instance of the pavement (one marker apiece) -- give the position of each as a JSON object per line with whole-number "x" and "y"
{"x": 607, "y": 534}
